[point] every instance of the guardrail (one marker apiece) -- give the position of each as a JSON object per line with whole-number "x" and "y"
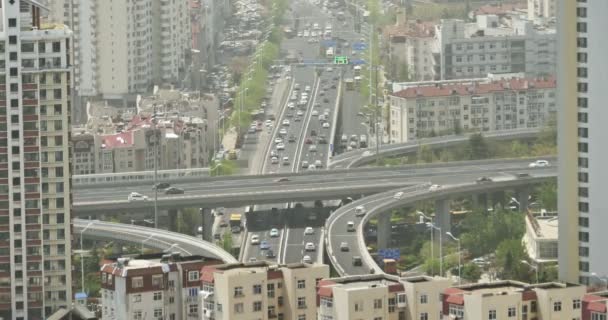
{"x": 334, "y": 122}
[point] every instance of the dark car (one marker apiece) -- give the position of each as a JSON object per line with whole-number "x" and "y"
{"x": 308, "y": 141}
{"x": 292, "y": 138}
{"x": 174, "y": 190}
{"x": 313, "y": 133}
{"x": 161, "y": 186}
{"x": 523, "y": 175}
{"x": 357, "y": 261}
{"x": 484, "y": 179}
{"x": 326, "y": 100}
{"x": 270, "y": 254}
{"x": 322, "y": 139}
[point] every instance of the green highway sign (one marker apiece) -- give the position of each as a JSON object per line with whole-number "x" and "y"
{"x": 341, "y": 60}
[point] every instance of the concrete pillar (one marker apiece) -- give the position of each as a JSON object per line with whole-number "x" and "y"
{"x": 443, "y": 218}
{"x": 208, "y": 224}
{"x": 384, "y": 230}
{"x": 480, "y": 201}
{"x": 498, "y": 197}
{"x": 522, "y": 196}
{"x": 172, "y": 219}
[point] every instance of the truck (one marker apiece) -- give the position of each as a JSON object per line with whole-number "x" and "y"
{"x": 329, "y": 52}
{"x": 350, "y": 83}
{"x": 235, "y": 221}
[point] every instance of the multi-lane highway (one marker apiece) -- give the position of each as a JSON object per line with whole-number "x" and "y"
{"x": 452, "y": 185}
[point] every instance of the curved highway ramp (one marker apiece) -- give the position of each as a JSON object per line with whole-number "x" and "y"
{"x": 149, "y": 237}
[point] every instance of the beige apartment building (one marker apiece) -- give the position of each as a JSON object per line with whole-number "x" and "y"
{"x": 260, "y": 291}
{"x": 411, "y": 43}
{"x": 542, "y": 9}
{"x": 380, "y": 297}
{"x": 513, "y": 300}
{"x": 493, "y": 45}
{"x": 155, "y": 286}
{"x": 35, "y": 178}
{"x": 481, "y": 105}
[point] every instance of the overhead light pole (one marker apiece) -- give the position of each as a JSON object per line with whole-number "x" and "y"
{"x": 459, "y": 256}
{"x": 82, "y": 255}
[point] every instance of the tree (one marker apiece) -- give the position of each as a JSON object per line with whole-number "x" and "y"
{"x": 471, "y": 272}
{"x": 509, "y": 255}
{"x": 478, "y": 147}
{"x": 547, "y": 195}
{"x": 227, "y": 242}
{"x": 425, "y": 154}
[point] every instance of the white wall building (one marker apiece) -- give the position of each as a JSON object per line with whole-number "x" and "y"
{"x": 582, "y": 178}
{"x": 542, "y": 9}
{"x": 443, "y": 107}
{"x": 492, "y": 45}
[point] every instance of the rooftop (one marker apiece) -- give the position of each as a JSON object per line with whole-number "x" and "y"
{"x": 544, "y": 227}
{"x": 467, "y": 88}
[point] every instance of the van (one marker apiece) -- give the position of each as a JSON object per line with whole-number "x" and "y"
{"x": 350, "y": 226}
{"x": 344, "y": 138}
{"x": 363, "y": 141}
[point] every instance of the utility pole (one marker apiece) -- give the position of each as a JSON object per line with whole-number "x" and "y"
{"x": 155, "y": 168}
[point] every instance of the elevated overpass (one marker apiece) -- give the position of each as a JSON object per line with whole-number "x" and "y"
{"x": 296, "y": 187}
{"x": 365, "y": 156}
{"x": 383, "y": 203}
{"x": 148, "y": 237}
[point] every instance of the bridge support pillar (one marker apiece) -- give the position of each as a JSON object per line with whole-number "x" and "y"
{"x": 523, "y": 194}
{"x": 384, "y": 230}
{"x": 480, "y": 201}
{"x": 498, "y": 197}
{"x": 172, "y": 216}
{"x": 443, "y": 219}
{"x": 207, "y": 219}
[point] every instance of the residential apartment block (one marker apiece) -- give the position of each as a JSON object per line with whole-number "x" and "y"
{"x": 493, "y": 45}
{"x": 380, "y": 297}
{"x": 480, "y": 105}
{"x": 540, "y": 238}
{"x": 260, "y": 291}
{"x": 412, "y": 44}
{"x": 152, "y": 287}
{"x": 125, "y": 47}
{"x": 35, "y": 186}
{"x": 542, "y": 9}
{"x": 581, "y": 140}
{"x": 513, "y": 300}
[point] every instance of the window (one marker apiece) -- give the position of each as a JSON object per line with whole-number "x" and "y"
{"x": 581, "y": 12}
{"x": 257, "y": 306}
{"x": 12, "y": 23}
{"x": 301, "y": 284}
{"x": 533, "y": 306}
{"x": 270, "y": 290}
{"x": 257, "y": 289}
{"x": 137, "y": 315}
{"x": 511, "y": 312}
{"x": 301, "y": 302}
{"x": 157, "y": 280}
{"x": 193, "y": 309}
{"x": 456, "y": 310}
{"x": 377, "y": 303}
{"x": 598, "y": 316}
{"x": 136, "y": 298}
{"x": 56, "y": 46}
{"x": 158, "y": 296}
{"x": 137, "y": 282}
{"x": 576, "y": 304}
{"x": 193, "y": 275}
{"x": 557, "y": 306}
{"x": 301, "y": 317}
{"x": 424, "y": 316}
{"x": 492, "y": 315}
{"x": 327, "y": 302}
{"x": 358, "y": 306}
{"x": 238, "y": 307}
{"x": 401, "y": 298}
{"x": 192, "y": 292}
{"x": 238, "y": 291}
{"x": 158, "y": 313}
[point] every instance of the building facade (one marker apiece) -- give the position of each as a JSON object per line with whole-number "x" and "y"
{"x": 445, "y": 107}
{"x": 581, "y": 177}
{"x": 35, "y": 188}
{"x": 260, "y": 291}
{"x": 380, "y": 297}
{"x": 472, "y": 50}
{"x": 412, "y": 44}
{"x": 125, "y": 47}
{"x": 543, "y": 9}
{"x": 152, "y": 287}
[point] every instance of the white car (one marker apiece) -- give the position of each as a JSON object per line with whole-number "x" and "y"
{"x": 539, "y": 164}
{"x": 306, "y": 259}
{"x": 307, "y": 88}
{"x": 134, "y": 196}
{"x": 278, "y": 140}
{"x": 283, "y": 131}
{"x": 434, "y": 187}
{"x": 309, "y": 246}
{"x": 309, "y": 231}
{"x": 304, "y": 164}
{"x": 268, "y": 123}
{"x": 312, "y": 148}
{"x": 286, "y": 122}
{"x": 281, "y": 146}
{"x": 299, "y": 113}
{"x": 318, "y": 164}
{"x": 255, "y": 239}
{"x": 360, "y": 211}
{"x": 274, "y": 160}
{"x": 274, "y": 232}
{"x": 285, "y": 161}
{"x": 325, "y": 125}
{"x": 312, "y": 167}
{"x": 398, "y": 195}
{"x": 291, "y": 105}
{"x": 315, "y": 113}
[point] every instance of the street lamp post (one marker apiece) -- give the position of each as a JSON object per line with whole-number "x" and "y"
{"x": 82, "y": 256}
{"x": 459, "y": 255}
{"x": 155, "y": 140}
{"x": 533, "y": 266}
{"x": 433, "y": 228}
{"x": 602, "y": 279}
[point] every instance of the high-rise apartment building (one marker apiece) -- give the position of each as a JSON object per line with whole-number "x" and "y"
{"x": 543, "y": 9}
{"x": 35, "y": 187}
{"x": 125, "y": 47}
{"x": 582, "y": 178}
{"x": 260, "y": 291}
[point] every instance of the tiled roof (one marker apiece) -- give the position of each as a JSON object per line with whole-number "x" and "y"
{"x": 462, "y": 89}
{"x": 594, "y": 305}
{"x": 118, "y": 140}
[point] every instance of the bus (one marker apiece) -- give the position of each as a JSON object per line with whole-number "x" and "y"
{"x": 235, "y": 220}
{"x": 350, "y": 84}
